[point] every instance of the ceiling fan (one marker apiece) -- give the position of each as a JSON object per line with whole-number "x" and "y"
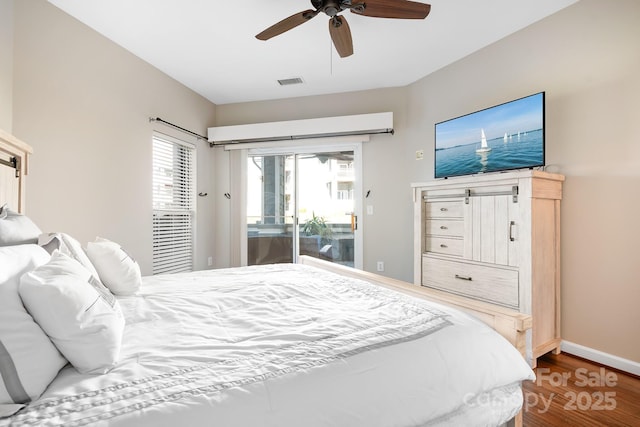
{"x": 338, "y": 26}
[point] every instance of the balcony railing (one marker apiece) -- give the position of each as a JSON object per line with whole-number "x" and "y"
{"x": 273, "y": 243}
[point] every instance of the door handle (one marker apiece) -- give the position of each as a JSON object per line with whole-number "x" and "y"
{"x": 354, "y": 222}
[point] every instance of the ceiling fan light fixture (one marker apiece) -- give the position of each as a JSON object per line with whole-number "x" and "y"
{"x": 338, "y": 26}
{"x": 291, "y": 81}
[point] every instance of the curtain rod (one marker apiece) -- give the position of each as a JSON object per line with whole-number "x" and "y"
{"x": 158, "y": 119}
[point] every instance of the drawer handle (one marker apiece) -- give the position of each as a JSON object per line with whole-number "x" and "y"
{"x": 443, "y": 209}
{"x": 444, "y": 227}
{"x": 467, "y": 278}
{"x": 443, "y": 246}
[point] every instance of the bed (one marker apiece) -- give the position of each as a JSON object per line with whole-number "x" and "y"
{"x": 313, "y": 344}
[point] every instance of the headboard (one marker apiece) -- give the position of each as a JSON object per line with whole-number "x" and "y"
{"x": 14, "y": 158}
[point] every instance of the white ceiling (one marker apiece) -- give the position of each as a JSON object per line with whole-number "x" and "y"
{"x": 210, "y": 45}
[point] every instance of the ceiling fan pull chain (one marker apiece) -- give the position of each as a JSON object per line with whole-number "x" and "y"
{"x": 331, "y": 57}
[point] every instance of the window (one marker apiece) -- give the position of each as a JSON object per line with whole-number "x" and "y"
{"x": 173, "y": 205}
{"x": 345, "y": 191}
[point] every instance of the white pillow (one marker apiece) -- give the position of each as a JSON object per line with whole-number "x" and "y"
{"x": 71, "y": 247}
{"x": 68, "y": 246}
{"x": 28, "y": 359}
{"x": 118, "y": 271}
{"x": 84, "y": 325}
{"x": 16, "y": 229}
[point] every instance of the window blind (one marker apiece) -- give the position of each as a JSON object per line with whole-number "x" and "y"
{"x": 173, "y": 206}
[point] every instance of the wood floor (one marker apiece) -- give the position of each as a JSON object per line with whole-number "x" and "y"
{"x": 570, "y": 391}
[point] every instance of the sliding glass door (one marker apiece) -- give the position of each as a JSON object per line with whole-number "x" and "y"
{"x": 326, "y": 206}
{"x": 303, "y": 203}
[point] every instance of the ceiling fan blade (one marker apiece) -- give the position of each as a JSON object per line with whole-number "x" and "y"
{"x": 287, "y": 24}
{"x": 401, "y": 9}
{"x": 341, "y": 36}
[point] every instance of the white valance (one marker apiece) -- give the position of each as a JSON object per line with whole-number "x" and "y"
{"x": 296, "y": 130}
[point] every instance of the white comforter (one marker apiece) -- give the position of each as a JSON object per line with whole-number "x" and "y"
{"x": 289, "y": 345}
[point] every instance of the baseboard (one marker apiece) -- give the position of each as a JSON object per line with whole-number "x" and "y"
{"x": 601, "y": 357}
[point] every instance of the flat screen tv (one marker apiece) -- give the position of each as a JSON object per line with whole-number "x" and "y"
{"x": 502, "y": 137}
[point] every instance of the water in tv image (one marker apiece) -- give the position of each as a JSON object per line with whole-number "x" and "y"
{"x": 507, "y": 136}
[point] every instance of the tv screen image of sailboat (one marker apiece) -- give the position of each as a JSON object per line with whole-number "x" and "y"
{"x": 507, "y": 136}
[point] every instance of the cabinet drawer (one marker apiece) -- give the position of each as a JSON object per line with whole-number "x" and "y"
{"x": 444, "y": 245}
{"x": 445, "y": 227}
{"x": 492, "y": 284}
{"x": 444, "y": 209}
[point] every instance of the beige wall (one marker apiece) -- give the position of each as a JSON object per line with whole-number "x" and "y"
{"x": 83, "y": 103}
{"x": 6, "y": 64}
{"x": 586, "y": 58}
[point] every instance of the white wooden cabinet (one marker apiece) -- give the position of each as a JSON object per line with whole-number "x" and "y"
{"x": 495, "y": 238}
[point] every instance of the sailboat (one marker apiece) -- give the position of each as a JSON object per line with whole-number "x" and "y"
{"x": 483, "y": 146}
{"x": 506, "y": 138}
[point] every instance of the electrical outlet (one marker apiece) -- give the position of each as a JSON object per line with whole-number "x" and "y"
{"x": 369, "y": 209}
{"x": 210, "y": 261}
{"x": 419, "y": 154}
{"x": 380, "y": 266}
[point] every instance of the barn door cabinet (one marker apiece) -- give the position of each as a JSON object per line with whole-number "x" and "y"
{"x": 495, "y": 238}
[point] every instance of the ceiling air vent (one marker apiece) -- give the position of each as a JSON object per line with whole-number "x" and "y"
{"x": 292, "y": 81}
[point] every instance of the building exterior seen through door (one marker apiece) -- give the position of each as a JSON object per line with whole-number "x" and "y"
{"x": 301, "y": 204}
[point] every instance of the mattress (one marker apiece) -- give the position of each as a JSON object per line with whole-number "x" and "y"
{"x": 289, "y": 345}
